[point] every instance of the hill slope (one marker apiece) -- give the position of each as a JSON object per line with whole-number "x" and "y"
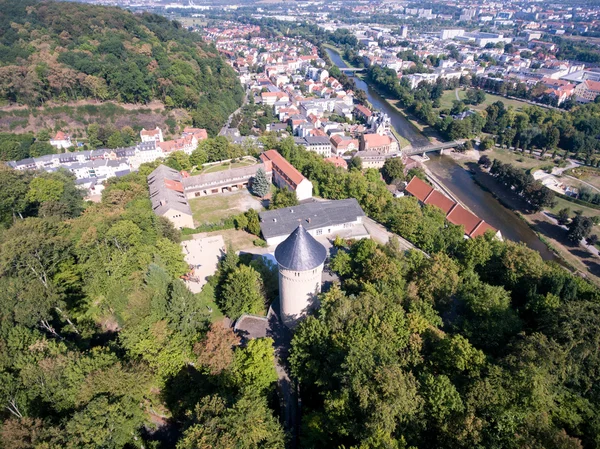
{"x": 70, "y": 51}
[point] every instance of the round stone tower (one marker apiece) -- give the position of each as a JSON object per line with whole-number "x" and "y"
{"x": 300, "y": 258}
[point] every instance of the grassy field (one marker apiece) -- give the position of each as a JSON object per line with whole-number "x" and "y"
{"x": 587, "y": 174}
{"x": 226, "y": 166}
{"x": 450, "y": 95}
{"x": 517, "y": 159}
{"x": 214, "y": 208}
{"x": 562, "y": 203}
{"x": 207, "y": 299}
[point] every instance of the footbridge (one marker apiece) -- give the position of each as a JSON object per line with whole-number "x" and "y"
{"x": 352, "y": 69}
{"x": 412, "y": 151}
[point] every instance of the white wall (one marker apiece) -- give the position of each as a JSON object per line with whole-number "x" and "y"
{"x": 297, "y": 292}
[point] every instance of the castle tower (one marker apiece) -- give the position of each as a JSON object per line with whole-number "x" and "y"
{"x": 300, "y": 258}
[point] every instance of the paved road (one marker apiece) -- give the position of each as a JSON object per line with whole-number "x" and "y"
{"x": 226, "y": 125}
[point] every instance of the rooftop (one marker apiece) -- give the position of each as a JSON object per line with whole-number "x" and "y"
{"x": 300, "y": 251}
{"x": 283, "y": 165}
{"x": 312, "y": 215}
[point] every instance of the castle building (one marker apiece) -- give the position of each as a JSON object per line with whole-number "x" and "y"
{"x": 300, "y": 259}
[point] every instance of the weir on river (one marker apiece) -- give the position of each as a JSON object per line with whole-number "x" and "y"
{"x": 456, "y": 178}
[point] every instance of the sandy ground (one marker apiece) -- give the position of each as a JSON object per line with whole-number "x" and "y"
{"x": 204, "y": 254}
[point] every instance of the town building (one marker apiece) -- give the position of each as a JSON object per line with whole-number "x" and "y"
{"x": 319, "y": 218}
{"x": 377, "y": 142}
{"x": 61, "y": 141}
{"x": 343, "y": 144}
{"x": 151, "y": 135}
{"x": 300, "y": 259}
{"x": 168, "y": 197}
{"x": 317, "y": 144}
{"x": 223, "y": 181}
{"x": 286, "y": 176}
{"x": 587, "y": 91}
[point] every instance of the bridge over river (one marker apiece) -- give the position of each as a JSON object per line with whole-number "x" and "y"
{"x": 352, "y": 69}
{"x": 411, "y": 151}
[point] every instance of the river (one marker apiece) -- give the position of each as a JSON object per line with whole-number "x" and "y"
{"x": 456, "y": 178}
{"x": 400, "y": 124}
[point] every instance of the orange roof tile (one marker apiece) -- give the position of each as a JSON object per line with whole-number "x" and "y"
{"x": 283, "y": 165}
{"x": 419, "y": 188}
{"x": 460, "y": 216}
{"x": 481, "y": 229}
{"x": 440, "y": 200}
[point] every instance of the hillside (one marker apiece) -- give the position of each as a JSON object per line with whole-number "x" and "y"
{"x": 71, "y": 51}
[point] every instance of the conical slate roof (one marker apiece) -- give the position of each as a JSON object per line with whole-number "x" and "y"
{"x": 300, "y": 251}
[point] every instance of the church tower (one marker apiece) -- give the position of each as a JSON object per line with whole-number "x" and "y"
{"x": 300, "y": 259}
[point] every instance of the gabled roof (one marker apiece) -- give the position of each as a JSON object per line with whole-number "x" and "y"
{"x": 419, "y": 188}
{"x": 440, "y": 200}
{"x": 462, "y": 217}
{"x": 313, "y": 215}
{"x": 300, "y": 251}
{"x": 166, "y": 191}
{"x": 283, "y": 165}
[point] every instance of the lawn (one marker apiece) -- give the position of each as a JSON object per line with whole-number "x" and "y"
{"x": 587, "y": 174}
{"x": 237, "y": 239}
{"x": 449, "y": 96}
{"x": 207, "y": 299}
{"x": 226, "y": 166}
{"x": 561, "y": 203}
{"x": 214, "y": 208}
{"x": 518, "y": 159}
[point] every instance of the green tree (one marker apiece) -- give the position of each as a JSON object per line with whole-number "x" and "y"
{"x": 248, "y": 424}
{"x": 178, "y": 160}
{"x": 116, "y": 140}
{"x": 579, "y": 228}
{"x": 283, "y": 198}
{"x": 260, "y": 184}
{"x": 253, "y": 226}
{"x": 43, "y": 189}
{"x": 242, "y": 293}
{"x": 393, "y": 170}
{"x": 563, "y": 216}
{"x": 198, "y": 157}
{"x": 253, "y": 367}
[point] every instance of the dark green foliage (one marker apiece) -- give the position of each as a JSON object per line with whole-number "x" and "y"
{"x": 260, "y": 184}
{"x": 161, "y": 60}
{"x": 579, "y": 228}
{"x": 283, "y": 198}
{"x": 522, "y": 183}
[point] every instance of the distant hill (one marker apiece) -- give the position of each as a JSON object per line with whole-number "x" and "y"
{"x": 70, "y": 51}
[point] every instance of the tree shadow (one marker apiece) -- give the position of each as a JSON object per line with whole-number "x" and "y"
{"x": 560, "y": 235}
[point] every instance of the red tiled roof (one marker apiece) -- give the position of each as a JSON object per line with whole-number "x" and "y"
{"x": 174, "y": 185}
{"x": 440, "y": 200}
{"x": 419, "y": 189}
{"x": 279, "y": 163}
{"x": 60, "y": 136}
{"x": 337, "y": 161}
{"x": 363, "y": 110}
{"x": 150, "y": 132}
{"x": 376, "y": 140}
{"x": 592, "y": 85}
{"x": 481, "y": 229}
{"x": 460, "y": 216}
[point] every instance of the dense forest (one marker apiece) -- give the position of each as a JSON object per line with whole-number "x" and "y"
{"x": 101, "y": 345}
{"x": 69, "y": 51}
{"x": 476, "y": 344}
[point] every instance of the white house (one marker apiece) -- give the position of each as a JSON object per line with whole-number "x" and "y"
{"x": 61, "y": 141}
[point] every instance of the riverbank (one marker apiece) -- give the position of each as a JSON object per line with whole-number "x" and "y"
{"x": 572, "y": 255}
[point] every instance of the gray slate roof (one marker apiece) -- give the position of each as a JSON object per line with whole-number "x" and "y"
{"x": 164, "y": 198}
{"x": 300, "y": 251}
{"x": 313, "y": 215}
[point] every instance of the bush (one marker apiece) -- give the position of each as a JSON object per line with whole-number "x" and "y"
{"x": 260, "y": 242}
